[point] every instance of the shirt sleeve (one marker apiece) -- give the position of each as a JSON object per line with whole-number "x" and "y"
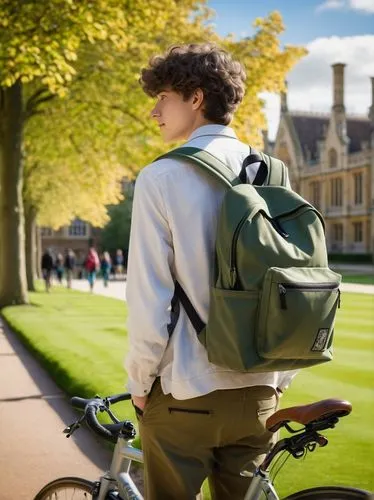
{"x": 150, "y": 284}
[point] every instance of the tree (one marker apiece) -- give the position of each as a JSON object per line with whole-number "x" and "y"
{"x": 116, "y": 233}
{"x": 38, "y": 41}
{"x": 40, "y": 47}
{"x": 78, "y": 149}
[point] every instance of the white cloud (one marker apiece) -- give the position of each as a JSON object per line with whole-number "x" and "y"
{"x": 366, "y": 6}
{"x": 330, "y": 5}
{"x": 310, "y": 82}
{"x": 363, "y": 5}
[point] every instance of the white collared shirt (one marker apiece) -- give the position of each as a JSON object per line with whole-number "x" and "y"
{"x": 173, "y": 232}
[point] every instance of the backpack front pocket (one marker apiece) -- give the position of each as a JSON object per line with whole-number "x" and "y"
{"x": 297, "y": 314}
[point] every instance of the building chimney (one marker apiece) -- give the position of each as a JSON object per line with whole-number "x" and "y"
{"x": 284, "y": 105}
{"x": 371, "y": 109}
{"x": 338, "y": 73}
{"x": 338, "y": 109}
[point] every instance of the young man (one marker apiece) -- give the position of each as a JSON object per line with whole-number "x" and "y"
{"x": 196, "y": 419}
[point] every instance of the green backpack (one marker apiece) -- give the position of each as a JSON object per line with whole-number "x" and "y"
{"x": 273, "y": 298}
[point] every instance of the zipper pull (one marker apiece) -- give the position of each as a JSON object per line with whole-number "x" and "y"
{"x": 282, "y": 296}
{"x": 339, "y": 298}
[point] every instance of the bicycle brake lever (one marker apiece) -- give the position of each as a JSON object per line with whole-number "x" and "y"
{"x": 105, "y": 407}
{"x": 73, "y": 427}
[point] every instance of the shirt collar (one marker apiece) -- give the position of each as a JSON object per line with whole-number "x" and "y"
{"x": 213, "y": 130}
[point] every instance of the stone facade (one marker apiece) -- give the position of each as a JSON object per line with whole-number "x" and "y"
{"x": 331, "y": 163}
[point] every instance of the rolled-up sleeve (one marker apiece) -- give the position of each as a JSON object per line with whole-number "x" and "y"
{"x": 150, "y": 284}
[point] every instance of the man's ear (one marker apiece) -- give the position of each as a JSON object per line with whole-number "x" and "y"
{"x": 197, "y": 99}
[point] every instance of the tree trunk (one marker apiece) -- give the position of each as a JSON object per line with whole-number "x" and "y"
{"x": 12, "y": 247}
{"x": 30, "y": 246}
{"x": 38, "y": 240}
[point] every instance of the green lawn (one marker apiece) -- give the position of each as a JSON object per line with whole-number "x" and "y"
{"x": 81, "y": 339}
{"x": 363, "y": 279}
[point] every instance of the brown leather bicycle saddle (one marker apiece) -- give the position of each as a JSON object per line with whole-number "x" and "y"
{"x": 308, "y": 413}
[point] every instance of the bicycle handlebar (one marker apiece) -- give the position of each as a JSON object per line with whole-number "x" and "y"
{"x": 91, "y": 419}
{"x": 92, "y": 406}
{"x": 79, "y": 403}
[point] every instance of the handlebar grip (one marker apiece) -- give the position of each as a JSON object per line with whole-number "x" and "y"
{"x": 125, "y": 396}
{"x": 79, "y": 403}
{"x": 95, "y": 425}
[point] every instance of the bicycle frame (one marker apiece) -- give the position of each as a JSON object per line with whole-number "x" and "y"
{"x": 261, "y": 483}
{"x": 119, "y": 472}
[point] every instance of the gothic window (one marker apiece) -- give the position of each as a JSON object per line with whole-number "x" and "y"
{"x": 336, "y": 192}
{"x": 357, "y": 232}
{"x": 315, "y": 193}
{"x": 333, "y": 158}
{"x": 358, "y": 188}
{"x": 337, "y": 233}
{"x": 77, "y": 228}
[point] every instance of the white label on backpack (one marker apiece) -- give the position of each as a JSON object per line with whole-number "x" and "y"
{"x": 321, "y": 340}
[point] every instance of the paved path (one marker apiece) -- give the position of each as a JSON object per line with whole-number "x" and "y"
{"x": 33, "y": 413}
{"x": 117, "y": 289}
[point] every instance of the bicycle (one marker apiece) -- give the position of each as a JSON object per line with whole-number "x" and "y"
{"x": 117, "y": 484}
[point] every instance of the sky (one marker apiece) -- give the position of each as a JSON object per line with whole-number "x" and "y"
{"x": 332, "y": 31}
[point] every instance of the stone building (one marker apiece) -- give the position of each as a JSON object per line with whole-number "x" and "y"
{"x": 78, "y": 236}
{"x": 331, "y": 163}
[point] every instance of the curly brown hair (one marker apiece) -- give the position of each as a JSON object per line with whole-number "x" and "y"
{"x": 186, "y": 68}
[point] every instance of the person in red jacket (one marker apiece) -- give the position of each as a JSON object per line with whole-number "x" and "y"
{"x": 91, "y": 265}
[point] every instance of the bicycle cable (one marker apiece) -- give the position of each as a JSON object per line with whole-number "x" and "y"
{"x": 276, "y": 463}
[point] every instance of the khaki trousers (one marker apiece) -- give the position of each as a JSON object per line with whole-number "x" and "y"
{"x": 215, "y": 436}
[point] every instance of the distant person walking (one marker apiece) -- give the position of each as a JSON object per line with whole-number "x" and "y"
{"x": 119, "y": 263}
{"x": 59, "y": 267}
{"x": 47, "y": 265}
{"x": 69, "y": 265}
{"x": 92, "y": 265}
{"x": 105, "y": 265}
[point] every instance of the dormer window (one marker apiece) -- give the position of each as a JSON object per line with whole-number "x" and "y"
{"x": 333, "y": 158}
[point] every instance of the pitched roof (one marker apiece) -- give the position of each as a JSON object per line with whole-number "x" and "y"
{"x": 358, "y": 130}
{"x": 311, "y": 127}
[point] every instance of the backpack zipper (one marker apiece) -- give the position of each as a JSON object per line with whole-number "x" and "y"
{"x": 233, "y": 270}
{"x": 309, "y": 287}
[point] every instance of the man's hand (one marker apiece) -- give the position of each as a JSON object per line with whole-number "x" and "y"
{"x": 139, "y": 401}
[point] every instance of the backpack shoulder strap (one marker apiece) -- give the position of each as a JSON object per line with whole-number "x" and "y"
{"x": 207, "y": 161}
{"x": 277, "y": 171}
